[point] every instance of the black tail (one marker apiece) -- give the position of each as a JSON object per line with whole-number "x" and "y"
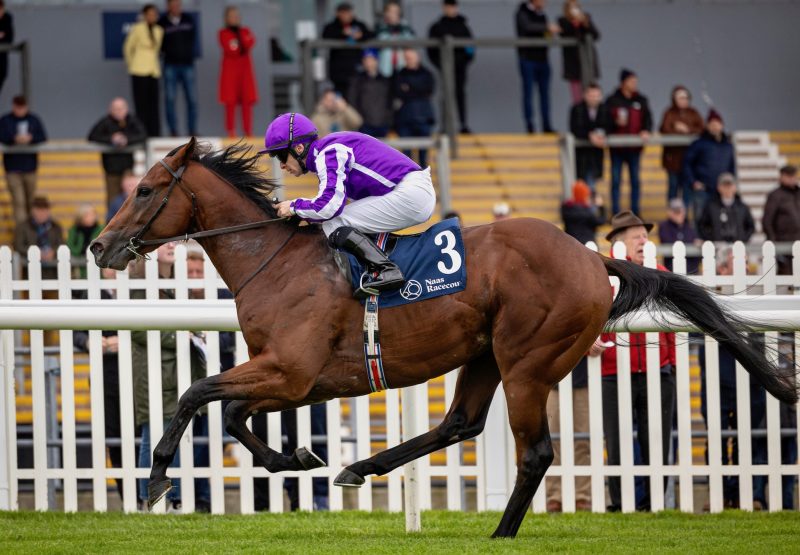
{"x": 651, "y": 289}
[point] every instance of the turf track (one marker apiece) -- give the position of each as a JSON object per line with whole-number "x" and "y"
{"x": 376, "y": 533}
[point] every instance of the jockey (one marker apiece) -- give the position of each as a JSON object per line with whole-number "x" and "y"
{"x": 388, "y": 190}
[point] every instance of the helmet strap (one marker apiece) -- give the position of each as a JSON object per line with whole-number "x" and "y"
{"x": 301, "y": 158}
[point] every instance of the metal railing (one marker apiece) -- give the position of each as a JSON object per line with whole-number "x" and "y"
{"x": 446, "y": 47}
{"x": 568, "y": 143}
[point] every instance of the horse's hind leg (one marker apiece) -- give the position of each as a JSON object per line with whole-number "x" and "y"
{"x": 465, "y": 419}
{"x": 236, "y": 416}
{"x": 527, "y": 414}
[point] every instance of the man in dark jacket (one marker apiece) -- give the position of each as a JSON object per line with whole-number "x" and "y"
{"x": 534, "y": 65}
{"x": 39, "y": 230}
{"x": 454, "y": 24}
{"x": 178, "y": 47}
{"x": 726, "y": 217}
{"x": 589, "y": 120}
{"x": 119, "y": 129}
{"x": 371, "y": 96}
{"x": 343, "y": 62}
{"x": 630, "y": 115}
{"x": 709, "y": 156}
{"x": 21, "y": 128}
{"x": 781, "y": 221}
{"x": 413, "y": 87}
{"x": 677, "y": 228}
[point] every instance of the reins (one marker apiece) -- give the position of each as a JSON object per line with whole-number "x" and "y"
{"x": 136, "y": 242}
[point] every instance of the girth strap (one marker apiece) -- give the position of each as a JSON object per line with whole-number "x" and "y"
{"x": 372, "y": 343}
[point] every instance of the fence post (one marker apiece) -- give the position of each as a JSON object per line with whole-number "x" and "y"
{"x": 410, "y": 402}
{"x": 586, "y": 55}
{"x": 443, "y": 175}
{"x": 449, "y": 90}
{"x": 567, "y": 151}
{"x": 8, "y": 421}
{"x": 25, "y": 63}
{"x": 307, "y": 76}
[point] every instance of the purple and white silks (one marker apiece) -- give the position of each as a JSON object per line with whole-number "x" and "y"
{"x": 350, "y": 165}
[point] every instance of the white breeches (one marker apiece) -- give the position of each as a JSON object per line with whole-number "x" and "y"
{"x": 410, "y": 203}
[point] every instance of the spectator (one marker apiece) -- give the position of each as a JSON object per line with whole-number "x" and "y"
{"x": 180, "y": 38}
{"x": 453, "y": 24}
{"x": 343, "y": 62}
{"x": 39, "y": 230}
{"x": 371, "y": 96}
{"x": 6, "y": 38}
{"x": 111, "y": 401}
{"x": 129, "y": 183}
{"x": 501, "y": 211}
{"x": 169, "y": 381}
{"x": 781, "y": 221}
{"x": 679, "y": 119}
{"x": 577, "y": 24}
{"x": 729, "y": 409}
{"x": 630, "y": 115}
{"x": 86, "y": 228}
{"x": 21, "y": 127}
{"x": 580, "y": 215}
{"x": 141, "y": 56}
{"x": 534, "y": 65}
{"x": 237, "y": 83}
{"x": 391, "y": 60}
{"x": 119, "y": 129}
{"x": 632, "y": 231}
{"x": 588, "y": 120}
{"x": 413, "y": 88}
{"x": 333, "y": 114}
{"x": 676, "y": 228}
{"x": 709, "y": 156}
{"x": 582, "y": 454}
{"x": 726, "y": 217}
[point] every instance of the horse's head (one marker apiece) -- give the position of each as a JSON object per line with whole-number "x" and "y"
{"x": 160, "y": 206}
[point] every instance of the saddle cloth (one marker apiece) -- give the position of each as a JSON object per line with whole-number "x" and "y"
{"x": 433, "y": 263}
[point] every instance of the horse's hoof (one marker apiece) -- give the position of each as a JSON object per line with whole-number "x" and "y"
{"x": 157, "y": 490}
{"x": 348, "y": 479}
{"x": 308, "y": 460}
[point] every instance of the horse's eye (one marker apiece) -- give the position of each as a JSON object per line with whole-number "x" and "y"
{"x": 143, "y": 192}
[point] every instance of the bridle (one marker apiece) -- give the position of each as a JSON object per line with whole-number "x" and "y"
{"x": 135, "y": 243}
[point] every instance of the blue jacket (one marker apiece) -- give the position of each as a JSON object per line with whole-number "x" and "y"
{"x": 23, "y": 163}
{"x": 413, "y": 89}
{"x": 706, "y": 159}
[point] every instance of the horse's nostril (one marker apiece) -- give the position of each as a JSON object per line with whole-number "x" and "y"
{"x": 97, "y": 248}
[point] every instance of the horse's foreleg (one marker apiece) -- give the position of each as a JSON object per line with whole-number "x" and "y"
{"x": 237, "y": 414}
{"x": 256, "y": 379}
{"x": 199, "y": 393}
{"x": 465, "y": 419}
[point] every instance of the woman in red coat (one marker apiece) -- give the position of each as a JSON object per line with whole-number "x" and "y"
{"x": 237, "y": 83}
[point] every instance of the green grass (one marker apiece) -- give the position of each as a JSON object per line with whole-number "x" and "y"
{"x": 375, "y": 533}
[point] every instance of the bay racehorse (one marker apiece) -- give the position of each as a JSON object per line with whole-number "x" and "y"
{"x": 535, "y": 301}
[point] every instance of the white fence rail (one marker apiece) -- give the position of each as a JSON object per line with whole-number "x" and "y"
{"x": 353, "y": 432}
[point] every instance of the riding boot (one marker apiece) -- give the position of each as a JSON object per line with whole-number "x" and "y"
{"x": 388, "y": 278}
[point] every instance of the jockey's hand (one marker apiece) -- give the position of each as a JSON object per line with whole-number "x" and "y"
{"x": 284, "y": 209}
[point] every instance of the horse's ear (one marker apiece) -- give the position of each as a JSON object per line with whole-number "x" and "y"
{"x": 184, "y": 153}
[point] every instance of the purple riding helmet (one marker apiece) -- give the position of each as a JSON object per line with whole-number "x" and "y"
{"x": 288, "y": 130}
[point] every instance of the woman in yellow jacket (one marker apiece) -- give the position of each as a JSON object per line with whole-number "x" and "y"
{"x": 141, "y": 49}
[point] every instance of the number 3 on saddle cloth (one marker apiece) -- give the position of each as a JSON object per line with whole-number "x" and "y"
{"x": 433, "y": 263}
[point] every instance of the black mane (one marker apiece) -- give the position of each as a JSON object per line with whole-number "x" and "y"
{"x": 236, "y": 165}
